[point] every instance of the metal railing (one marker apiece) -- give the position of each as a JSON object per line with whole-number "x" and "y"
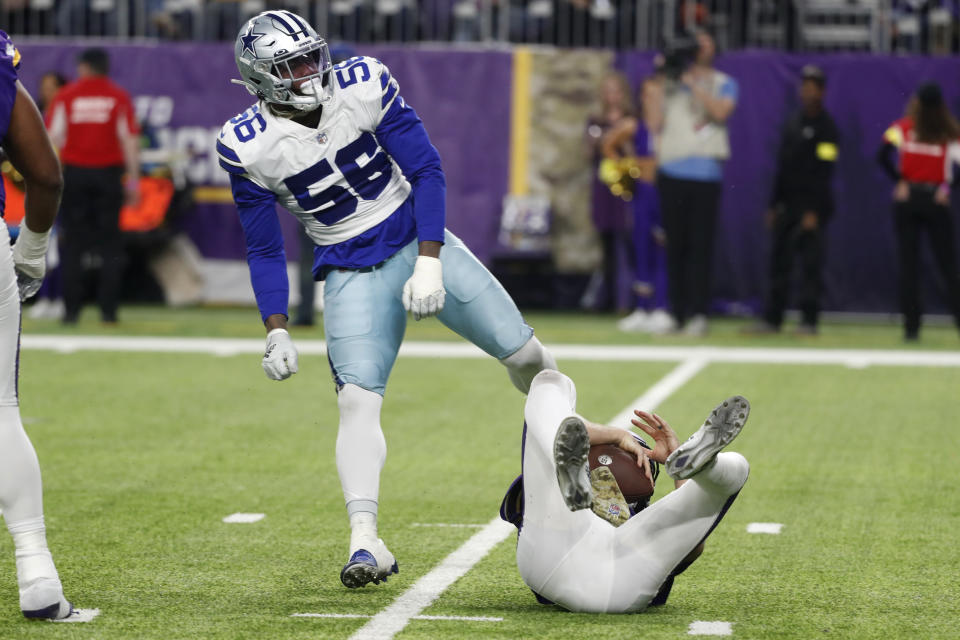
{"x": 804, "y": 25}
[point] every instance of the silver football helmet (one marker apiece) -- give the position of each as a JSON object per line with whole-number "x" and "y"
{"x": 283, "y": 61}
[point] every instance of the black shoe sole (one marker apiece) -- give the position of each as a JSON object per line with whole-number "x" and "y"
{"x": 571, "y": 448}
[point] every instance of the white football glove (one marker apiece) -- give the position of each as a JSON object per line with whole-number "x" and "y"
{"x": 30, "y": 260}
{"x": 280, "y": 358}
{"x": 423, "y": 294}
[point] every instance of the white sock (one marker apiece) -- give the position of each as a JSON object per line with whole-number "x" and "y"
{"x": 361, "y": 452}
{"x": 21, "y": 489}
{"x": 363, "y": 531}
{"x": 526, "y": 362}
{"x": 21, "y": 499}
{"x": 28, "y": 535}
{"x": 37, "y": 577}
{"x": 727, "y": 473}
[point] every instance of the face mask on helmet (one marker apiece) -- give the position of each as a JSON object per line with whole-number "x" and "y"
{"x": 304, "y": 77}
{"x": 284, "y": 62}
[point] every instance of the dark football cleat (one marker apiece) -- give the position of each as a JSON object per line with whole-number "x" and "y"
{"x": 571, "y": 448}
{"x": 718, "y": 430}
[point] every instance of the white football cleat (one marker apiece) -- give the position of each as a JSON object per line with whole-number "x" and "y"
{"x": 43, "y": 598}
{"x": 636, "y": 322}
{"x": 660, "y": 322}
{"x": 718, "y": 430}
{"x": 41, "y": 594}
{"x": 366, "y": 566}
{"x": 571, "y": 449}
{"x": 696, "y": 326}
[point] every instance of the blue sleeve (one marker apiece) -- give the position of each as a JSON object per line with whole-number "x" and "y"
{"x": 643, "y": 141}
{"x": 265, "y": 254}
{"x": 402, "y": 134}
{"x": 729, "y": 89}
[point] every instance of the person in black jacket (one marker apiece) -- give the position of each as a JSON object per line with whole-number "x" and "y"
{"x": 801, "y": 205}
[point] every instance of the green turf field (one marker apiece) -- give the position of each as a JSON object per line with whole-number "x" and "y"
{"x": 143, "y": 454}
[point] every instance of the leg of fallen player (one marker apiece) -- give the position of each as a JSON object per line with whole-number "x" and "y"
{"x": 550, "y": 529}
{"x": 654, "y": 543}
{"x": 660, "y": 540}
{"x": 570, "y": 556}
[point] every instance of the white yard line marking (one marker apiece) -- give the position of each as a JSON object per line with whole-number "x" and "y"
{"x": 717, "y": 628}
{"x": 424, "y": 591}
{"x": 444, "y": 524}
{"x": 80, "y": 615}
{"x": 620, "y": 353}
{"x": 464, "y": 618}
{"x": 244, "y": 518}
{"x": 360, "y": 615}
{"x": 662, "y": 390}
{"x": 764, "y": 527}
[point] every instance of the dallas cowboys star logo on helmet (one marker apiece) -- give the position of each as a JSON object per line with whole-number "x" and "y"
{"x": 248, "y": 39}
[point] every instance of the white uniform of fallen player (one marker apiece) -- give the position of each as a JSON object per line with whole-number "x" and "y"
{"x": 579, "y": 560}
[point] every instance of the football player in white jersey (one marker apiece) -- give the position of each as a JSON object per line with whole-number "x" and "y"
{"x": 26, "y": 143}
{"x": 568, "y": 554}
{"x": 339, "y": 148}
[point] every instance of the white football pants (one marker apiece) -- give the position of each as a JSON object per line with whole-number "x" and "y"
{"x": 581, "y": 561}
{"x": 21, "y": 494}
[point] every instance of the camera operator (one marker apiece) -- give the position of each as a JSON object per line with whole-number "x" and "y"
{"x": 688, "y": 110}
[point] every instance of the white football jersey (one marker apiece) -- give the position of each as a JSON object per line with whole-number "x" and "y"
{"x": 336, "y": 179}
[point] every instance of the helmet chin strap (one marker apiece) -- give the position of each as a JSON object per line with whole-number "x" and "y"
{"x": 313, "y": 87}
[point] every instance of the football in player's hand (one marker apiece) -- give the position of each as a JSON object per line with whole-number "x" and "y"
{"x": 633, "y": 482}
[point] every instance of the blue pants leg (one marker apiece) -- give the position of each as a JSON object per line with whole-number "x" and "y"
{"x": 364, "y": 319}
{"x": 477, "y": 307}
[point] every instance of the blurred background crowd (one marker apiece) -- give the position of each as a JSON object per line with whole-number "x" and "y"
{"x": 909, "y": 26}
{"x": 665, "y": 160}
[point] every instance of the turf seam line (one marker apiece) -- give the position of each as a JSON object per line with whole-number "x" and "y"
{"x": 421, "y": 617}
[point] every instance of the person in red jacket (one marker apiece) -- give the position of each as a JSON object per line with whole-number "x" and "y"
{"x": 92, "y": 123}
{"x": 927, "y": 141}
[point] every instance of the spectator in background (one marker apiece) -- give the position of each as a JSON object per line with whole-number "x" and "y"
{"x": 650, "y": 276}
{"x": 93, "y": 124}
{"x": 50, "y": 83}
{"x": 801, "y": 205}
{"x": 688, "y": 108}
{"x": 49, "y": 300}
{"x": 928, "y": 141}
{"x": 610, "y": 212}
